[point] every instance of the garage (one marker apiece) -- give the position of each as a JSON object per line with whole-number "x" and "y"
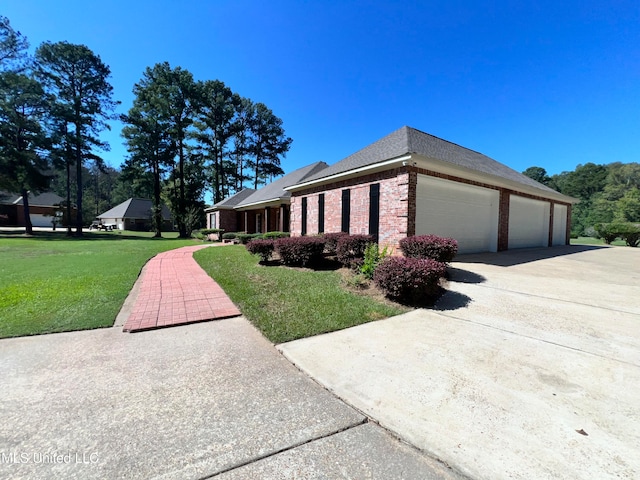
{"x": 465, "y": 212}
{"x": 528, "y": 222}
{"x": 559, "y": 225}
{"x": 38, "y": 220}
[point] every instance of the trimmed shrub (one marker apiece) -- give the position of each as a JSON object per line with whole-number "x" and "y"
{"x": 607, "y": 232}
{"x": 276, "y": 235}
{"x": 245, "y": 238}
{"x": 350, "y": 249}
{"x": 229, "y": 236}
{"x": 429, "y": 246}
{"x": 300, "y": 251}
{"x": 412, "y": 280}
{"x": 262, "y": 248}
{"x": 372, "y": 257}
{"x": 331, "y": 241}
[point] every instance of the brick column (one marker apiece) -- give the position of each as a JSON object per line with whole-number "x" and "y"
{"x": 503, "y": 220}
{"x": 551, "y": 204}
{"x": 412, "y": 199}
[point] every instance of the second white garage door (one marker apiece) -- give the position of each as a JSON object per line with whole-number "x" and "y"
{"x": 528, "y": 222}
{"x": 465, "y": 212}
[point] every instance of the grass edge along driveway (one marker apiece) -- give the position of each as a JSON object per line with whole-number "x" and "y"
{"x": 287, "y": 303}
{"x": 52, "y": 283}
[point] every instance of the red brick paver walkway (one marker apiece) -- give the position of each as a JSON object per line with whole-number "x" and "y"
{"x": 175, "y": 290}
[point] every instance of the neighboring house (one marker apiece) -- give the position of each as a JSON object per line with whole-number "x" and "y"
{"x": 260, "y": 211}
{"x": 43, "y": 208}
{"x": 412, "y": 183}
{"x": 135, "y": 214}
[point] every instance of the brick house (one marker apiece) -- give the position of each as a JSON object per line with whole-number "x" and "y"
{"x": 412, "y": 183}
{"x": 259, "y": 211}
{"x": 135, "y": 214}
{"x": 43, "y": 209}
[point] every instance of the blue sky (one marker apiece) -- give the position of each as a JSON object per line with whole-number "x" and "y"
{"x": 546, "y": 83}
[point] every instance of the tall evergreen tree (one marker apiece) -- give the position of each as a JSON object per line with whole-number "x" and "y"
{"x": 268, "y": 144}
{"x": 80, "y": 82}
{"x": 215, "y": 129}
{"x": 23, "y": 161}
{"x": 13, "y": 48}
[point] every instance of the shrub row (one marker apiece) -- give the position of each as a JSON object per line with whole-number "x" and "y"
{"x": 350, "y": 249}
{"x": 300, "y": 251}
{"x": 261, "y": 247}
{"x": 245, "y": 238}
{"x": 429, "y": 246}
{"x": 629, "y": 232}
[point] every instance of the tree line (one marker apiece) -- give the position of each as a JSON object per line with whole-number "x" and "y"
{"x": 184, "y": 136}
{"x": 607, "y": 193}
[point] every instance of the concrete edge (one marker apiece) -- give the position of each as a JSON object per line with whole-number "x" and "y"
{"x": 129, "y": 302}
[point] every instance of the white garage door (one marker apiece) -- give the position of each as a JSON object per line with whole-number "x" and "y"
{"x": 528, "y": 222}
{"x": 559, "y": 224}
{"x": 465, "y": 212}
{"x": 38, "y": 220}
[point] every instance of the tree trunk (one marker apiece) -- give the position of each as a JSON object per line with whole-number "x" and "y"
{"x": 182, "y": 227}
{"x": 78, "y": 180}
{"x": 28, "y": 228}
{"x": 68, "y": 166}
{"x": 157, "y": 208}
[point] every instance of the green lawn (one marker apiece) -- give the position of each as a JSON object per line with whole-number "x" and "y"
{"x": 53, "y": 283}
{"x": 287, "y": 303}
{"x": 594, "y": 241}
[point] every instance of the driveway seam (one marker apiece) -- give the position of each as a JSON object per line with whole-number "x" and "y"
{"x": 364, "y": 421}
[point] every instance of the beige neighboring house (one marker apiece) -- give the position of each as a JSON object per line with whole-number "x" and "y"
{"x": 135, "y": 214}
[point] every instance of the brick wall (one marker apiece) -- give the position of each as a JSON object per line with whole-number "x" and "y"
{"x": 394, "y": 206}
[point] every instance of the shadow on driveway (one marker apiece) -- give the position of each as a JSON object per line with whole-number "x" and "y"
{"x": 524, "y": 255}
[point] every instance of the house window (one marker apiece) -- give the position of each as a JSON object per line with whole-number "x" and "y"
{"x": 304, "y": 216}
{"x": 346, "y": 210}
{"x": 321, "y": 213}
{"x": 374, "y": 210}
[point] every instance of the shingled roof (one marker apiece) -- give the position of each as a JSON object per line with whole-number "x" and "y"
{"x": 275, "y": 191}
{"x": 232, "y": 201}
{"x": 134, "y": 208}
{"x": 407, "y": 140}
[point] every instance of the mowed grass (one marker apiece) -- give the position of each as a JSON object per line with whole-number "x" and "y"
{"x": 53, "y": 283}
{"x": 286, "y": 303}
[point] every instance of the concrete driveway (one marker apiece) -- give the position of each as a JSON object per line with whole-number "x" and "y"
{"x": 528, "y": 368}
{"x": 208, "y": 400}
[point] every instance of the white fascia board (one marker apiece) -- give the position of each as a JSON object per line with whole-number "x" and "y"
{"x": 263, "y": 203}
{"x": 375, "y": 167}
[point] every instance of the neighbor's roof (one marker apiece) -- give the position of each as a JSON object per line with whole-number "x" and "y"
{"x": 134, "y": 208}
{"x": 276, "y": 189}
{"x": 46, "y": 199}
{"x": 407, "y": 140}
{"x": 232, "y": 201}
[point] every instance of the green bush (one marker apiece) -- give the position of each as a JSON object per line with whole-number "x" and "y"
{"x": 262, "y": 248}
{"x": 372, "y": 257}
{"x": 629, "y": 232}
{"x": 276, "y": 235}
{"x": 229, "y": 236}
{"x": 300, "y": 251}
{"x": 245, "y": 238}
{"x": 411, "y": 280}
